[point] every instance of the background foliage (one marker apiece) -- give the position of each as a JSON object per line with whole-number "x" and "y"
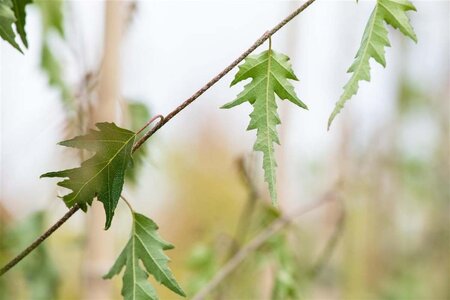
{"x": 395, "y": 238}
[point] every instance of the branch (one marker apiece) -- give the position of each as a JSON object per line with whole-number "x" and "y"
{"x": 329, "y": 248}
{"x": 256, "y": 243}
{"x": 39, "y": 240}
{"x": 164, "y": 121}
{"x": 225, "y": 71}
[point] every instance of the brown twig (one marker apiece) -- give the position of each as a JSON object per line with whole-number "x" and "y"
{"x": 225, "y": 71}
{"x": 39, "y": 240}
{"x": 163, "y": 121}
{"x": 246, "y": 214}
{"x": 256, "y": 243}
{"x": 329, "y": 248}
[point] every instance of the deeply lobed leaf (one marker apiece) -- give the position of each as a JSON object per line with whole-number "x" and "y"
{"x": 19, "y": 12}
{"x": 270, "y": 73}
{"x": 7, "y": 19}
{"x": 147, "y": 247}
{"x": 102, "y": 175}
{"x": 373, "y": 42}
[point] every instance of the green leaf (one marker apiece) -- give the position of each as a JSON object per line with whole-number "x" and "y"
{"x": 52, "y": 66}
{"x": 52, "y": 15}
{"x": 19, "y": 12}
{"x": 7, "y": 19}
{"x": 145, "y": 246}
{"x": 53, "y": 22}
{"x": 270, "y": 72}
{"x": 102, "y": 175}
{"x": 374, "y": 40}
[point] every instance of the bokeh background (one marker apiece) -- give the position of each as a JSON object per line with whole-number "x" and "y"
{"x": 386, "y": 158}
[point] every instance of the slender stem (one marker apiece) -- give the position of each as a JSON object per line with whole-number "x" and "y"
{"x": 246, "y": 214}
{"x": 329, "y": 248}
{"x": 128, "y": 204}
{"x": 225, "y": 71}
{"x": 256, "y": 243}
{"x": 160, "y": 117}
{"x": 163, "y": 121}
{"x": 39, "y": 240}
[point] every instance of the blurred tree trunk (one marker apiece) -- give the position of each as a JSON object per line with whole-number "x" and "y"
{"x": 99, "y": 244}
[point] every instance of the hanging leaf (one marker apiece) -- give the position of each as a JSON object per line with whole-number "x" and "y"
{"x": 53, "y": 22}
{"x": 374, "y": 40}
{"x": 7, "y": 18}
{"x": 103, "y": 174}
{"x": 145, "y": 246}
{"x": 270, "y": 72}
{"x": 19, "y": 12}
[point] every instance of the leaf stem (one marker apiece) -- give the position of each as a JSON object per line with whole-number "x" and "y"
{"x": 128, "y": 204}
{"x": 164, "y": 121}
{"x": 150, "y": 122}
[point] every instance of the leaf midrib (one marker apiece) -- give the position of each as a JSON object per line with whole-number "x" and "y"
{"x": 101, "y": 170}
{"x": 153, "y": 258}
{"x": 267, "y": 120}
{"x": 366, "y": 48}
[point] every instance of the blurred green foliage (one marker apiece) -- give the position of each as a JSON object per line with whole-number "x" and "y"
{"x": 37, "y": 272}
{"x": 138, "y": 115}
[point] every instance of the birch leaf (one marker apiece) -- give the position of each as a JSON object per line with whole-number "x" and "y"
{"x": 145, "y": 246}
{"x": 102, "y": 175}
{"x": 374, "y": 40}
{"x": 270, "y": 73}
{"x": 7, "y": 18}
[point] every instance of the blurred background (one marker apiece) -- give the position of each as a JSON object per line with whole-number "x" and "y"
{"x": 385, "y": 160}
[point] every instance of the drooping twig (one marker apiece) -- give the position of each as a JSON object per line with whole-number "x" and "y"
{"x": 225, "y": 71}
{"x": 164, "y": 121}
{"x": 329, "y": 248}
{"x": 39, "y": 240}
{"x": 256, "y": 243}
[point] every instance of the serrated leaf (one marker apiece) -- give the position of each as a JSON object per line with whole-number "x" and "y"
{"x": 373, "y": 42}
{"x": 7, "y": 19}
{"x": 102, "y": 175}
{"x": 270, "y": 72}
{"x": 19, "y": 12}
{"x": 147, "y": 248}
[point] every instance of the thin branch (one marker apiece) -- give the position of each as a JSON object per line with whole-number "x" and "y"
{"x": 164, "y": 121}
{"x": 256, "y": 243}
{"x": 225, "y": 71}
{"x": 128, "y": 204}
{"x": 39, "y": 240}
{"x": 160, "y": 117}
{"x": 246, "y": 213}
{"x": 329, "y": 248}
